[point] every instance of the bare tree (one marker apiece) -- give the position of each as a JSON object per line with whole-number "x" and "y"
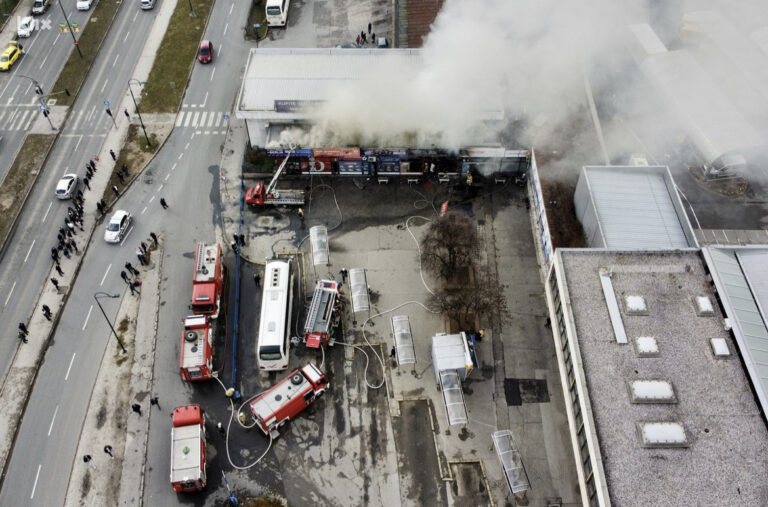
{"x": 484, "y": 301}
{"x": 449, "y": 245}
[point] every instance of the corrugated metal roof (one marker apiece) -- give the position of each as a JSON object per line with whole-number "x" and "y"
{"x": 741, "y": 278}
{"x": 636, "y": 208}
{"x": 312, "y": 74}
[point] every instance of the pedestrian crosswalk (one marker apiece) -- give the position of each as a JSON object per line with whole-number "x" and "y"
{"x": 17, "y": 118}
{"x": 206, "y": 122}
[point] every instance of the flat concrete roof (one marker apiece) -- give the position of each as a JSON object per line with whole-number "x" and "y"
{"x": 725, "y": 461}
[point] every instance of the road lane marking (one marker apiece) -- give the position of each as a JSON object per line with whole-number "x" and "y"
{"x": 46, "y": 212}
{"x": 90, "y": 115}
{"x": 160, "y": 188}
{"x": 116, "y": 58}
{"x": 152, "y": 199}
{"x": 84, "y": 324}
{"x": 104, "y": 85}
{"x": 174, "y": 166}
{"x": 52, "y": 420}
{"x": 213, "y": 73}
{"x": 180, "y": 155}
{"x": 231, "y": 7}
{"x": 105, "y": 275}
{"x": 218, "y": 52}
{"x": 56, "y": 39}
{"x": 225, "y": 28}
{"x": 34, "y": 486}
{"x": 80, "y": 138}
{"x": 30, "y": 250}
{"x": 71, "y": 362}
{"x": 126, "y": 236}
{"x": 187, "y": 146}
{"x": 44, "y": 60}
{"x": 206, "y": 99}
{"x": 134, "y": 16}
{"x": 145, "y": 209}
{"x": 167, "y": 176}
{"x": 9, "y": 294}
{"x": 129, "y": 32}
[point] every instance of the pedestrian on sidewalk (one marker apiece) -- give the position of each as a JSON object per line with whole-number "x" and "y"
{"x": 103, "y": 204}
{"x": 140, "y": 255}
{"x": 136, "y": 408}
{"x": 124, "y": 276}
{"x": 79, "y": 195}
{"x": 124, "y": 169}
{"x": 257, "y": 279}
{"x": 134, "y": 286}
{"x": 58, "y": 269}
{"x": 23, "y": 337}
{"x": 88, "y": 460}
{"x": 73, "y": 244}
{"x": 93, "y": 165}
{"x": 155, "y": 401}
{"x": 116, "y": 190}
{"x": 143, "y": 247}
{"x": 46, "y": 312}
{"x": 55, "y": 283}
{"x": 87, "y": 182}
{"x": 242, "y": 239}
{"x": 358, "y": 40}
{"x": 344, "y": 273}
{"x": 127, "y": 114}
{"x": 23, "y": 328}
{"x": 131, "y": 269}
{"x": 235, "y": 248}
{"x": 66, "y": 252}
{"x": 154, "y": 237}
{"x": 120, "y": 177}
{"x": 71, "y": 227}
{"x": 88, "y": 168}
{"x": 108, "y": 450}
{"x": 112, "y": 154}
{"x": 163, "y": 203}
{"x": 369, "y": 27}
{"x": 55, "y": 253}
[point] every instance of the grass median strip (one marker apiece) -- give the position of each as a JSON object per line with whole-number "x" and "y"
{"x": 89, "y": 41}
{"x": 167, "y": 81}
{"x": 20, "y": 178}
{"x": 6, "y": 9}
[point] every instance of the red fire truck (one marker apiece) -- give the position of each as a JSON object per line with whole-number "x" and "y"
{"x": 188, "y": 449}
{"x": 208, "y": 282}
{"x": 324, "y": 314}
{"x": 269, "y": 195}
{"x": 197, "y": 348}
{"x": 288, "y": 398}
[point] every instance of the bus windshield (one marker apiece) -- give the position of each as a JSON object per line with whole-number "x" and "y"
{"x": 273, "y": 10}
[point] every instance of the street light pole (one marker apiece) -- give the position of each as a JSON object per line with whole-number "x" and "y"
{"x": 191, "y": 10}
{"x": 71, "y": 32}
{"x": 104, "y": 294}
{"x": 137, "y": 109}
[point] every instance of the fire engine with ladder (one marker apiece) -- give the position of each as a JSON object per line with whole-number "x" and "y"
{"x": 325, "y": 313}
{"x": 260, "y": 195}
{"x": 288, "y": 398}
{"x": 208, "y": 302}
{"x": 188, "y": 449}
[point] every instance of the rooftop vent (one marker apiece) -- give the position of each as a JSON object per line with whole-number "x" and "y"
{"x": 646, "y": 346}
{"x": 720, "y": 347}
{"x": 662, "y": 434}
{"x": 704, "y": 306}
{"x": 652, "y": 391}
{"x": 635, "y": 305}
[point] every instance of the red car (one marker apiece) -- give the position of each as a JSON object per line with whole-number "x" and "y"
{"x": 205, "y": 52}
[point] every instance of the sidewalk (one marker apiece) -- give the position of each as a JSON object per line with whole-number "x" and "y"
{"x": 20, "y": 379}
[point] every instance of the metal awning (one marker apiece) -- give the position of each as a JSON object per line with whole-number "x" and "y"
{"x": 454, "y": 398}
{"x": 401, "y": 331}
{"x": 358, "y": 286}
{"x": 318, "y": 238}
{"x": 511, "y": 462}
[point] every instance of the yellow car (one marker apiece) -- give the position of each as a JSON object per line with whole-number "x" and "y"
{"x": 10, "y": 55}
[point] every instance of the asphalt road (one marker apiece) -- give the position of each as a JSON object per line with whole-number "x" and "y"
{"x": 45, "y": 53}
{"x": 38, "y": 471}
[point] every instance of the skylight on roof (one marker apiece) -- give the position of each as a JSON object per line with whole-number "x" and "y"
{"x": 662, "y": 434}
{"x": 635, "y": 305}
{"x": 704, "y": 307}
{"x": 652, "y": 391}
{"x": 720, "y": 347}
{"x": 646, "y": 346}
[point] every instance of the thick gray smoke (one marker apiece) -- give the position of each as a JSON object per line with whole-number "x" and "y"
{"x": 482, "y": 61}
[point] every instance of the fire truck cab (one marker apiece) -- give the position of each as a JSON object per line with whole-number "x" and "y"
{"x": 289, "y": 397}
{"x": 324, "y": 314}
{"x": 196, "y": 349}
{"x": 188, "y": 449}
{"x": 208, "y": 280}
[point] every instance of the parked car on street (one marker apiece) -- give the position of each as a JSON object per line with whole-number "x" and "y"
{"x": 118, "y": 226}
{"x": 84, "y": 5}
{"x": 39, "y": 7}
{"x": 10, "y": 55}
{"x": 67, "y": 186}
{"x": 205, "y": 52}
{"x": 26, "y": 26}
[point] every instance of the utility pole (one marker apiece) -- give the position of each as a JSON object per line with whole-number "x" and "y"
{"x": 96, "y": 296}
{"x": 71, "y": 31}
{"x": 135, "y": 105}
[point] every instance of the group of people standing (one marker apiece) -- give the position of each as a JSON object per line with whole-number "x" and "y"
{"x": 363, "y": 37}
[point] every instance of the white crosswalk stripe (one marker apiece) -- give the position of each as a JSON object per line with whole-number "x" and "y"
{"x": 202, "y": 119}
{"x": 20, "y": 119}
{"x": 194, "y": 119}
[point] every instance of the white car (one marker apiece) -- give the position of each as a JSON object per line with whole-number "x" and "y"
{"x": 67, "y": 186}
{"x": 146, "y": 4}
{"x": 26, "y": 26}
{"x": 84, "y": 5}
{"x": 118, "y": 226}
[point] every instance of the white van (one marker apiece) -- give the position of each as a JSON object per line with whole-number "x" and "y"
{"x": 277, "y": 12}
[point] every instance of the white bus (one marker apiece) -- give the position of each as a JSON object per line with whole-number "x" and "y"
{"x": 275, "y": 324}
{"x": 277, "y": 12}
